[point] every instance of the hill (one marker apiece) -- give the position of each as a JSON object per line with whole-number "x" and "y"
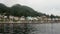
{"x": 20, "y": 10}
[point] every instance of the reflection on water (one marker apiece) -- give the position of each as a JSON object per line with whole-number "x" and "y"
{"x": 47, "y": 28}
{"x": 53, "y": 28}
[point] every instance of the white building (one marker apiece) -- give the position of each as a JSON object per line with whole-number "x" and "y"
{"x": 35, "y": 18}
{"x": 11, "y": 17}
{"x": 5, "y": 17}
{"x": 29, "y": 18}
{"x": 16, "y": 18}
{"x": 39, "y": 18}
{"x": 22, "y": 18}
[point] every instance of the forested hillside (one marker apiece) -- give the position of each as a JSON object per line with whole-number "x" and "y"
{"x": 20, "y": 10}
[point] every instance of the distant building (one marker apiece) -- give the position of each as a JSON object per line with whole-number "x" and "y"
{"x": 35, "y": 18}
{"x": 56, "y": 18}
{"x": 22, "y": 18}
{"x": 39, "y": 18}
{"x": 29, "y": 18}
{"x": 16, "y": 18}
{"x": 5, "y": 17}
{"x": 49, "y": 19}
{"x": 11, "y": 17}
{"x": 44, "y": 18}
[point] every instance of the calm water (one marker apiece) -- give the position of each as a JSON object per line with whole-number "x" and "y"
{"x": 39, "y": 28}
{"x": 47, "y": 28}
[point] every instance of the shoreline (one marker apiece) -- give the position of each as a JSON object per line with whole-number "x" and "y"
{"x": 30, "y": 22}
{"x": 26, "y": 23}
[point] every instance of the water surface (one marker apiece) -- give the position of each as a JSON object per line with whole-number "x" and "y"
{"x": 47, "y": 28}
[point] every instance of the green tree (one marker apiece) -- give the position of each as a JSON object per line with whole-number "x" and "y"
{"x": 52, "y": 16}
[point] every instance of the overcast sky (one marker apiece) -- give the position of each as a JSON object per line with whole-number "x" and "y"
{"x": 44, "y": 6}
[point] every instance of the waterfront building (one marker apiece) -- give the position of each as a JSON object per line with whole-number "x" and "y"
{"x": 34, "y": 18}
{"x": 22, "y": 18}
{"x": 29, "y": 18}
{"x": 11, "y": 18}
{"x": 44, "y": 18}
{"x": 39, "y": 18}
{"x": 16, "y": 18}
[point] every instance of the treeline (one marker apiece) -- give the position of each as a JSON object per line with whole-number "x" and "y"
{"x": 20, "y": 10}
